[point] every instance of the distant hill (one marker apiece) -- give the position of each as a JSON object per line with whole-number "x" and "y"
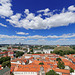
{"x": 63, "y": 48}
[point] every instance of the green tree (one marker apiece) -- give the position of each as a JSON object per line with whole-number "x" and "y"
{"x": 4, "y": 50}
{"x": 7, "y": 63}
{"x": 51, "y": 51}
{"x": 18, "y": 53}
{"x": 4, "y": 64}
{"x": 60, "y": 65}
{"x": 4, "y": 59}
{"x": 7, "y": 58}
{"x": 41, "y": 63}
{"x": 12, "y": 74}
{"x": 38, "y": 53}
{"x": 71, "y": 70}
{"x": 51, "y": 72}
{"x": 61, "y": 53}
{"x": 28, "y": 53}
{"x": 31, "y": 50}
{"x": 74, "y": 48}
{"x": 58, "y": 59}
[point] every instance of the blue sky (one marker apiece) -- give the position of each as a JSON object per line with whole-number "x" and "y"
{"x": 47, "y": 22}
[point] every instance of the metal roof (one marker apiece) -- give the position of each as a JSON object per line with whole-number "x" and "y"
{"x": 6, "y": 69}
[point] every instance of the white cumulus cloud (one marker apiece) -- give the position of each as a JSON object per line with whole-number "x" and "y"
{"x": 45, "y": 11}
{"x": 64, "y": 36}
{"x": 26, "y": 11}
{"x": 33, "y": 21}
{"x": 22, "y": 33}
{"x": 71, "y": 8}
{"x": 5, "y": 8}
{"x": 64, "y": 18}
{"x": 3, "y": 25}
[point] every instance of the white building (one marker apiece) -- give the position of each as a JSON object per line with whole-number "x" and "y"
{"x": 72, "y": 73}
{"x": 25, "y": 73}
{"x": 47, "y": 50}
{"x": 43, "y": 50}
{"x": 28, "y": 49}
{"x": 37, "y": 50}
{"x": 19, "y": 61}
{"x": 29, "y": 70}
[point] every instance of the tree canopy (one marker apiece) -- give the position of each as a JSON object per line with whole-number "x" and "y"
{"x": 58, "y": 59}
{"x": 7, "y": 63}
{"x": 51, "y": 72}
{"x": 41, "y": 63}
{"x": 62, "y": 53}
{"x": 60, "y": 65}
{"x": 4, "y": 59}
{"x": 18, "y": 53}
{"x": 71, "y": 70}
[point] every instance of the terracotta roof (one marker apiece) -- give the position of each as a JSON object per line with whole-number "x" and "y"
{"x": 31, "y": 68}
{"x": 68, "y": 63}
{"x": 65, "y": 74}
{"x": 31, "y": 58}
{"x": 12, "y": 56}
{"x": 62, "y": 71}
{"x": 19, "y": 59}
{"x": 0, "y": 66}
{"x": 2, "y": 52}
{"x": 73, "y": 60}
{"x": 27, "y": 68}
{"x": 52, "y": 58}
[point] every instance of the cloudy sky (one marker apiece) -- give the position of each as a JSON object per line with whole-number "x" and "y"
{"x": 47, "y": 22}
